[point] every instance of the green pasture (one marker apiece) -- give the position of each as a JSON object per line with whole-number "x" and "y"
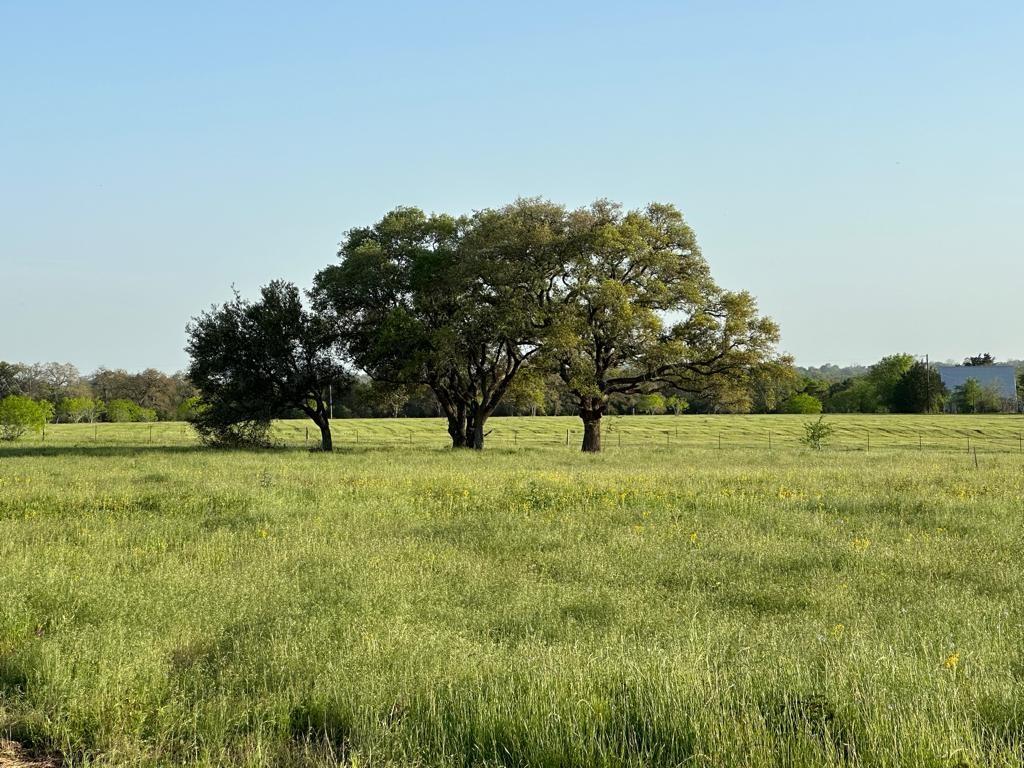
{"x": 1002, "y": 433}
{"x": 668, "y": 604}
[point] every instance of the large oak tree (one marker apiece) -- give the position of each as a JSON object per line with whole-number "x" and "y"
{"x": 455, "y": 304}
{"x": 636, "y": 310}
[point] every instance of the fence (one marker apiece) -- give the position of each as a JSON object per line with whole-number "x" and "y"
{"x": 387, "y": 433}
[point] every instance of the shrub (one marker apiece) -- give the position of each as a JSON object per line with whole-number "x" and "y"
{"x": 802, "y": 403}
{"x": 242, "y": 434}
{"x": 20, "y": 414}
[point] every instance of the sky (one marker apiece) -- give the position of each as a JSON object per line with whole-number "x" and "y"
{"x": 859, "y": 167}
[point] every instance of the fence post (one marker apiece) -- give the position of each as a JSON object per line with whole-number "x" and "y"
{"x": 869, "y": 441}
{"x": 920, "y": 442}
{"x": 307, "y": 434}
{"x": 567, "y": 437}
{"x": 151, "y": 433}
{"x": 719, "y": 441}
{"x": 968, "y": 444}
{"x": 515, "y": 437}
{"x": 668, "y": 438}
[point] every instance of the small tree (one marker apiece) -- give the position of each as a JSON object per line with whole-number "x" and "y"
{"x": 20, "y": 414}
{"x": 258, "y": 361}
{"x": 652, "y": 403}
{"x": 817, "y": 434}
{"x": 972, "y": 397}
{"x": 676, "y": 404}
{"x": 528, "y": 391}
{"x": 390, "y": 398}
{"x": 77, "y": 409}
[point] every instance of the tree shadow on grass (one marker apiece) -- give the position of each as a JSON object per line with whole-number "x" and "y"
{"x": 102, "y": 451}
{"x": 129, "y": 451}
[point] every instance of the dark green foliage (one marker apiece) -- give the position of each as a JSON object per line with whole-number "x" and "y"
{"x": 453, "y": 304}
{"x": 255, "y": 362}
{"x": 920, "y": 390}
{"x": 983, "y": 359}
{"x": 885, "y": 375}
{"x": 240, "y": 434}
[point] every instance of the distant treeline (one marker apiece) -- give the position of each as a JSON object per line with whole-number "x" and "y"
{"x": 151, "y": 395}
{"x": 104, "y": 395}
{"x": 899, "y": 384}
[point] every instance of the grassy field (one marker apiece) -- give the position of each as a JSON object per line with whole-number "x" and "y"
{"x": 664, "y": 604}
{"x": 1002, "y": 433}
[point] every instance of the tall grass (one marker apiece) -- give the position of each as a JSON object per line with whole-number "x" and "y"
{"x": 415, "y": 607}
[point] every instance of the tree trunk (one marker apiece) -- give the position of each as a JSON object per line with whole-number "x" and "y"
{"x": 591, "y": 428}
{"x": 458, "y": 426}
{"x": 478, "y": 415}
{"x": 591, "y": 411}
{"x": 322, "y": 419}
{"x": 457, "y": 431}
{"x": 326, "y": 442}
{"x": 477, "y": 437}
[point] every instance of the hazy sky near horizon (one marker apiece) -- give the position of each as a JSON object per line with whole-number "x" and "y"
{"x": 858, "y": 167}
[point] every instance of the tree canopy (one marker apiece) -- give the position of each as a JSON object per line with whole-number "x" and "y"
{"x": 257, "y": 361}
{"x": 626, "y": 274}
{"x": 454, "y": 304}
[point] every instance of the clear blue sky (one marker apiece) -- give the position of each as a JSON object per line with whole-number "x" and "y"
{"x": 858, "y": 166}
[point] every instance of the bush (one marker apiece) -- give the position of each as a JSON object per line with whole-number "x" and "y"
{"x": 802, "y": 403}
{"x": 19, "y": 414}
{"x": 242, "y": 434}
